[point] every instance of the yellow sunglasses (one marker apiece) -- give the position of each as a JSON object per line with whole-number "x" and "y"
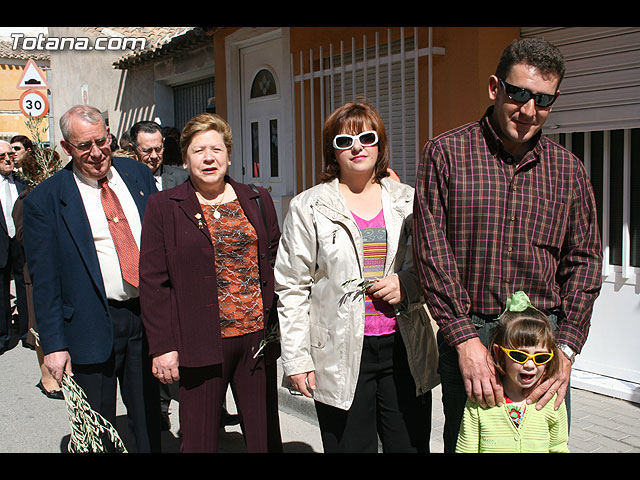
{"x": 519, "y": 356}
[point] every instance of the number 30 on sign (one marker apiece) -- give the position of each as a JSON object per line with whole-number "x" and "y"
{"x": 34, "y": 103}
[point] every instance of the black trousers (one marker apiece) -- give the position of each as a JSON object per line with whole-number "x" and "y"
{"x": 14, "y": 268}
{"x": 385, "y": 406}
{"x": 130, "y": 366}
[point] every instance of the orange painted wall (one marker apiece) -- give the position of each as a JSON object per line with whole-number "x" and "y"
{"x": 460, "y": 77}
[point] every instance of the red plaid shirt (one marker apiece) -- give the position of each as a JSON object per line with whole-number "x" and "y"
{"x": 485, "y": 228}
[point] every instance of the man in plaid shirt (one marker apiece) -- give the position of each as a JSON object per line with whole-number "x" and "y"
{"x": 500, "y": 208}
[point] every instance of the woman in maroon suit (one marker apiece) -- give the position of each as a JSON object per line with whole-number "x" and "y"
{"x": 206, "y": 291}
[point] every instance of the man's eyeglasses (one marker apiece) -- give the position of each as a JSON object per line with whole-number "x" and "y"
{"x": 522, "y": 95}
{"x": 519, "y": 356}
{"x": 10, "y": 155}
{"x": 148, "y": 151}
{"x": 366, "y": 139}
{"x": 88, "y": 145}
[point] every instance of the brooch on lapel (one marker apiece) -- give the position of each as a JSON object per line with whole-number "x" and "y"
{"x": 199, "y": 218}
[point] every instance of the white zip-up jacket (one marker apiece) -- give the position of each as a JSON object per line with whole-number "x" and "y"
{"x": 322, "y": 321}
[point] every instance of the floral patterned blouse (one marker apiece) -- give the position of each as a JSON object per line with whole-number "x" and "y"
{"x": 235, "y": 242}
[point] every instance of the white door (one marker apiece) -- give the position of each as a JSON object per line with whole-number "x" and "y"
{"x": 267, "y": 158}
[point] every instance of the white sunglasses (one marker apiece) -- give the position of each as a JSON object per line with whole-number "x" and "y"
{"x": 366, "y": 139}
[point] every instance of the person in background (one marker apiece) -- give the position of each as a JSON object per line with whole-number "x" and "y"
{"x": 81, "y": 234}
{"x": 21, "y": 145}
{"x": 172, "y": 155}
{"x": 206, "y": 285}
{"x": 146, "y": 140}
{"x": 31, "y": 171}
{"x": 523, "y": 351}
{"x": 500, "y": 208}
{"x": 124, "y": 143}
{"x": 355, "y": 334}
{"x": 148, "y": 145}
{"x": 11, "y": 255}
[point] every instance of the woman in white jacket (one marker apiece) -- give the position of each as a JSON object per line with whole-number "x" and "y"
{"x": 355, "y": 334}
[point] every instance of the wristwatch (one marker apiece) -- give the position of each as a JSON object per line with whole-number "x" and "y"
{"x": 568, "y": 351}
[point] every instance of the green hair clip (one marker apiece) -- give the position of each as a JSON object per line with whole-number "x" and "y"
{"x": 518, "y": 302}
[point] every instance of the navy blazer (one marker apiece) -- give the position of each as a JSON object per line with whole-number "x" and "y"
{"x": 70, "y": 302}
{"x": 5, "y": 240}
{"x": 178, "y": 289}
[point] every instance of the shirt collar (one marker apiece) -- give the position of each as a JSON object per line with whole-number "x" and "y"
{"x": 90, "y": 181}
{"x": 495, "y": 144}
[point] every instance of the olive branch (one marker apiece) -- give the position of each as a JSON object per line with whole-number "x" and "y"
{"x": 46, "y": 161}
{"x": 87, "y": 426}
{"x": 362, "y": 285}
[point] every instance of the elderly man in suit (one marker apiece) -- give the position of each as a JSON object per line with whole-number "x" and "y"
{"x": 147, "y": 142}
{"x": 11, "y": 258}
{"x": 81, "y": 236}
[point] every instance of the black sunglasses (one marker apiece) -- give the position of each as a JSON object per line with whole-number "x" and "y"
{"x": 522, "y": 95}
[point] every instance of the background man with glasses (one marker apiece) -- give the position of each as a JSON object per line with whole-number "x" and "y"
{"x": 81, "y": 236}
{"x": 147, "y": 142}
{"x": 11, "y": 257}
{"x": 500, "y": 208}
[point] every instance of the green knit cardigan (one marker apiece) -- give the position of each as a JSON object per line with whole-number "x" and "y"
{"x": 486, "y": 430}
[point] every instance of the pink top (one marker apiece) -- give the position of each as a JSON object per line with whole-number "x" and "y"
{"x": 380, "y": 317}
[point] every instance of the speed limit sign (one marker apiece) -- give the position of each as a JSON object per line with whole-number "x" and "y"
{"x": 34, "y": 103}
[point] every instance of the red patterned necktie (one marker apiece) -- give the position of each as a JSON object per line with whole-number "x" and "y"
{"x": 126, "y": 247}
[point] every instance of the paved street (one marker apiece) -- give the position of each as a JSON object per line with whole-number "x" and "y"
{"x": 32, "y": 423}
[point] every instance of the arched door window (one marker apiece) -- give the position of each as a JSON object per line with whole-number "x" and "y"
{"x": 264, "y": 84}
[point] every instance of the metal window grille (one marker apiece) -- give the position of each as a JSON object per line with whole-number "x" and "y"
{"x": 191, "y": 99}
{"x": 612, "y": 158}
{"x": 381, "y": 70}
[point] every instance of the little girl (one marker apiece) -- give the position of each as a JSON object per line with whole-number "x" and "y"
{"x": 522, "y": 349}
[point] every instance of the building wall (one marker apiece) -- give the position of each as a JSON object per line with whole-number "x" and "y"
{"x": 461, "y": 75}
{"x": 72, "y": 70}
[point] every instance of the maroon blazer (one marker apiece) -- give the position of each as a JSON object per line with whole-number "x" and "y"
{"x": 178, "y": 290}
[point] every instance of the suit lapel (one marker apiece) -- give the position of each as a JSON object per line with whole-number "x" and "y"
{"x": 247, "y": 198}
{"x": 185, "y": 195}
{"x": 131, "y": 181}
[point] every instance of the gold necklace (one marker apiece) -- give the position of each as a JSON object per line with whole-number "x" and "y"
{"x": 216, "y": 213}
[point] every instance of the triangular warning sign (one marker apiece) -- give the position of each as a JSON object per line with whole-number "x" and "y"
{"x": 32, "y": 77}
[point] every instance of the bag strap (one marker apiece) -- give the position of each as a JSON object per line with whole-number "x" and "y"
{"x": 264, "y": 218}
